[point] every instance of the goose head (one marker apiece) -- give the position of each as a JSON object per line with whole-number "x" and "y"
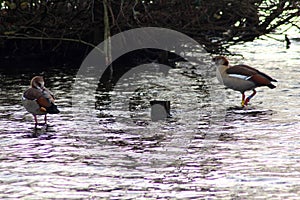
{"x": 37, "y": 82}
{"x": 220, "y": 60}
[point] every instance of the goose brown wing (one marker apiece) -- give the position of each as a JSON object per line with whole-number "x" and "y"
{"x": 251, "y": 74}
{"x": 242, "y": 70}
{"x": 48, "y": 94}
{"x": 32, "y": 94}
{"x": 247, "y": 71}
{"x": 39, "y": 96}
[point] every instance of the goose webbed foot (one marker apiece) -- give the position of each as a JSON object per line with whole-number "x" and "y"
{"x": 247, "y": 100}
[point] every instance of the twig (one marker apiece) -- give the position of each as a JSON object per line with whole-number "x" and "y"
{"x": 11, "y": 37}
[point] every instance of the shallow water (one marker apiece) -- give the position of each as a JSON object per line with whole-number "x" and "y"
{"x": 209, "y": 149}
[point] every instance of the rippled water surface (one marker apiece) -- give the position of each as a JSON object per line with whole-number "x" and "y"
{"x": 209, "y": 149}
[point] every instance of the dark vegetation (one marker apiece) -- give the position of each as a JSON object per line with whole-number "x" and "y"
{"x": 59, "y": 31}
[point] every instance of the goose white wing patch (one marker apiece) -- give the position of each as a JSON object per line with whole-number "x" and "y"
{"x": 243, "y": 77}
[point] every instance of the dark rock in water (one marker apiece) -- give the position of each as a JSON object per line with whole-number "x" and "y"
{"x": 160, "y": 110}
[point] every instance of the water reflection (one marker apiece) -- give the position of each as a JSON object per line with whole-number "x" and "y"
{"x": 209, "y": 149}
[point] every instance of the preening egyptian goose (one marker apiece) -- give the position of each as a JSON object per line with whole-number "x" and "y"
{"x": 38, "y": 100}
{"x": 241, "y": 78}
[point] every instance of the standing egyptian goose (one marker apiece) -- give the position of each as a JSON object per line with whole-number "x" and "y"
{"x": 241, "y": 78}
{"x": 38, "y": 100}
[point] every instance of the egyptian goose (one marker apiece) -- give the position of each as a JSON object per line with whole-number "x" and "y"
{"x": 241, "y": 78}
{"x": 38, "y": 100}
